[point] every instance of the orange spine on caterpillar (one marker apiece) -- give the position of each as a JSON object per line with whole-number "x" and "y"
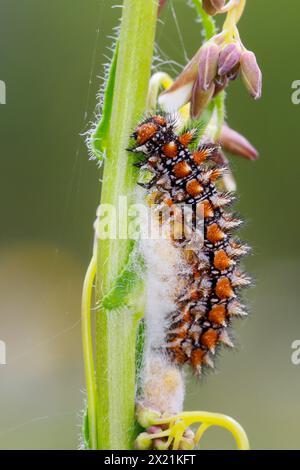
{"x": 208, "y": 300}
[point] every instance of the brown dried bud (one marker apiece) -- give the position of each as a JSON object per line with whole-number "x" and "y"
{"x": 251, "y": 74}
{"x": 235, "y": 143}
{"x": 218, "y": 4}
{"x": 229, "y": 58}
{"x": 213, "y": 6}
{"x": 208, "y": 64}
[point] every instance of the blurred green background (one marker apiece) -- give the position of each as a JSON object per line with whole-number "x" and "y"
{"x": 51, "y": 55}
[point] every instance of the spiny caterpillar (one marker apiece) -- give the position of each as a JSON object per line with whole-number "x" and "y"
{"x": 207, "y": 299}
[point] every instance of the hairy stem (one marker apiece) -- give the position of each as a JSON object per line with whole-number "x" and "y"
{"x": 207, "y": 21}
{"x": 116, "y": 329}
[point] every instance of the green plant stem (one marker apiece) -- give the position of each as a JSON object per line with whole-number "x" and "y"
{"x": 220, "y": 106}
{"x": 116, "y": 329}
{"x": 207, "y": 21}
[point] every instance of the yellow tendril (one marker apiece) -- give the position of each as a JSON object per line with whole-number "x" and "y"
{"x": 178, "y": 424}
{"x": 87, "y": 342}
{"x": 200, "y": 431}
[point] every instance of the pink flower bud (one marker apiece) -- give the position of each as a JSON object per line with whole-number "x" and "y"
{"x": 208, "y": 64}
{"x": 153, "y": 430}
{"x": 186, "y": 444}
{"x": 251, "y": 74}
{"x": 200, "y": 99}
{"x": 237, "y": 144}
{"x": 213, "y": 6}
{"x": 229, "y": 58}
{"x": 160, "y": 444}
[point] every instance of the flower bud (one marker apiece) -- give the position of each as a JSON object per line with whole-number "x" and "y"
{"x": 153, "y": 430}
{"x": 251, "y": 74}
{"x": 160, "y": 444}
{"x": 189, "y": 434}
{"x": 229, "y": 58}
{"x": 146, "y": 416}
{"x": 213, "y": 6}
{"x": 143, "y": 442}
{"x": 200, "y": 99}
{"x": 208, "y": 64}
{"x": 186, "y": 444}
{"x": 237, "y": 144}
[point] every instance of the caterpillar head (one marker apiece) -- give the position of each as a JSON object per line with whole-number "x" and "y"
{"x": 151, "y": 134}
